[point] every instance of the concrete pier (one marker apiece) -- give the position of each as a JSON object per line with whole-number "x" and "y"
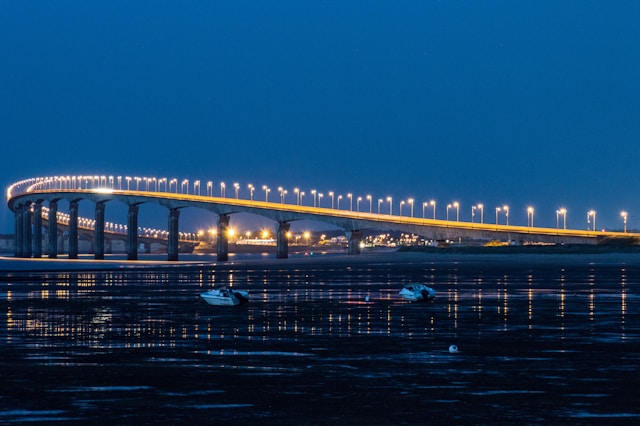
{"x": 282, "y": 241}
{"x": 99, "y": 231}
{"x": 354, "y": 237}
{"x": 223, "y": 237}
{"x": 172, "y": 244}
{"x": 53, "y": 229}
{"x": 37, "y": 229}
{"x": 73, "y": 229}
{"x": 132, "y": 232}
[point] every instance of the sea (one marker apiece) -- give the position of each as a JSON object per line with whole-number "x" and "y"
{"x": 325, "y": 339}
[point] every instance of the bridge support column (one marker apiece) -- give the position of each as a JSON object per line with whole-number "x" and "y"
{"x": 223, "y": 237}
{"x": 282, "y": 242}
{"x": 27, "y": 234}
{"x": 53, "y": 229}
{"x": 354, "y": 241}
{"x": 19, "y": 217}
{"x": 172, "y": 246}
{"x": 73, "y": 229}
{"x": 99, "y": 231}
{"x": 132, "y": 233}
{"x": 37, "y": 229}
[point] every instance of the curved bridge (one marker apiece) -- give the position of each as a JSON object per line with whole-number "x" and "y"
{"x": 26, "y": 198}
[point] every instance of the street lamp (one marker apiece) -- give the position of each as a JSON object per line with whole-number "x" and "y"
{"x": 266, "y": 192}
{"x": 433, "y": 203}
{"x": 410, "y": 201}
{"x": 497, "y": 211}
{"x": 624, "y": 219}
{"x": 380, "y": 200}
{"x": 562, "y": 212}
{"x": 210, "y": 189}
{"x": 401, "y": 204}
{"x": 339, "y": 198}
{"x": 222, "y": 189}
{"x": 370, "y": 203}
{"x": 530, "y": 211}
{"x": 473, "y": 213}
{"x": 457, "y": 206}
{"x": 448, "y": 207}
{"x": 314, "y": 192}
{"x": 350, "y": 195}
{"x": 506, "y": 211}
{"x": 424, "y": 206}
{"x": 390, "y": 200}
{"x": 331, "y": 194}
{"x": 481, "y": 207}
{"x": 320, "y": 195}
{"x": 236, "y": 185}
{"x": 358, "y": 204}
{"x": 251, "y": 189}
{"x": 589, "y": 214}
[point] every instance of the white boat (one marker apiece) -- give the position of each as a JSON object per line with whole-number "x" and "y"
{"x": 225, "y": 297}
{"x": 418, "y": 293}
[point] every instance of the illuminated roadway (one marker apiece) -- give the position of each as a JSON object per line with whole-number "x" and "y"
{"x": 25, "y": 198}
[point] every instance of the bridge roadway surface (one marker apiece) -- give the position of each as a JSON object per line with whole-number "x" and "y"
{"x": 25, "y": 199}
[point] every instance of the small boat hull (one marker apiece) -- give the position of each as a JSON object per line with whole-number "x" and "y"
{"x": 225, "y": 297}
{"x": 417, "y": 293}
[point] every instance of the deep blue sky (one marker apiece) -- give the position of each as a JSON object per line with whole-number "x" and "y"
{"x": 517, "y": 102}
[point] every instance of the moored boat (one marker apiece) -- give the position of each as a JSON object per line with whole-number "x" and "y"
{"x": 225, "y": 297}
{"x": 417, "y": 293}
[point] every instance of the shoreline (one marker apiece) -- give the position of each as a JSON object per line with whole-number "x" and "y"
{"x": 486, "y": 257}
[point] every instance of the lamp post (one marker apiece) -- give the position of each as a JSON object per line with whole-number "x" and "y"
{"x": 624, "y": 219}
{"x": 473, "y": 213}
{"x": 497, "y": 211}
{"x": 320, "y": 195}
{"x": 589, "y": 214}
{"x": 401, "y": 204}
{"x": 314, "y": 192}
{"x": 266, "y": 192}
{"x": 339, "y": 198}
{"x": 457, "y": 206}
{"x": 424, "y": 206}
{"x": 390, "y": 200}
{"x": 350, "y": 195}
{"x": 448, "y": 207}
{"x": 563, "y": 212}
{"x": 410, "y": 201}
{"x": 433, "y": 203}
{"x": 380, "y": 200}
{"x": 481, "y": 207}
{"x": 370, "y": 203}
{"x": 358, "y": 204}
{"x": 251, "y": 189}
{"x": 222, "y": 189}
{"x": 506, "y": 212}
{"x": 331, "y": 194}
{"x": 210, "y": 189}
{"x": 530, "y": 211}
{"x": 297, "y": 192}
{"x": 236, "y": 186}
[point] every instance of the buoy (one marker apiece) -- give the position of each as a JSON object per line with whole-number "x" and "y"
{"x": 453, "y": 349}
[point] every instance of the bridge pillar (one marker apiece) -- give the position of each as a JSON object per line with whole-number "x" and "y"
{"x": 26, "y": 230}
{"x": 37, "y": 229}
{"x": 223, "y": 237}
{"x": 354, "y": 241}
{"x": 172, "y": 243}
{"x": 53, "y": 229}
{"x": 99, "y": 231}
{"x": 132, "y": 233}
{"x": 73, "y": 229}
{"x": 282, "y": 242}
{"x": 19, "y": 251}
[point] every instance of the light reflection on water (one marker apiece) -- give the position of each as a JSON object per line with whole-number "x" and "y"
{"x": 529, "y": 337}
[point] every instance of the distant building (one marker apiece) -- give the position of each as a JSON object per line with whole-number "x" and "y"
{"x": 7, "y": 243}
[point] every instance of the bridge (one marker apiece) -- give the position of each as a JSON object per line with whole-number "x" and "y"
{"x": 25, "y": 198}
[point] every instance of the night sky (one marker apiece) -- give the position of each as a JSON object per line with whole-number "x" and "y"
{"x": 500, "y": 102}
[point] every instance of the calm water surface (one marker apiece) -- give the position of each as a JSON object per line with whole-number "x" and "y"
{"x": 325, "y": 340}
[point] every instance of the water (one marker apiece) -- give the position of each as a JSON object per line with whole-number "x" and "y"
{"x": 325, "y": 340}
